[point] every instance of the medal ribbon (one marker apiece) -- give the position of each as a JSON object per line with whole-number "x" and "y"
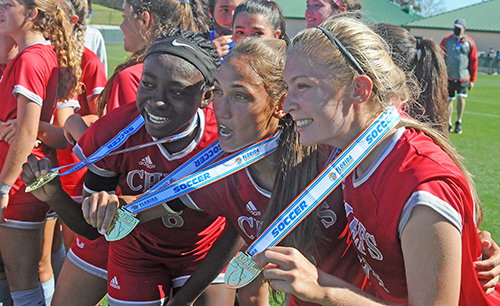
{"x": 207, "y": 176}
{"x": 120, "y": 139}
{"x": 326, "y": 181}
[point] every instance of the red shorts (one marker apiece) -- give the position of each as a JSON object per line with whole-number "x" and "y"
{"x": 90, "y": 256}
{"x": 26, "y": 215}
{"x": 144, "y": 270}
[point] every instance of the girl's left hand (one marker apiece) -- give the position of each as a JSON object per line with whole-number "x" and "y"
{"x": 488, "y": 269}
{"x": 289, "y": 271}
{"x": 9, "y": 130}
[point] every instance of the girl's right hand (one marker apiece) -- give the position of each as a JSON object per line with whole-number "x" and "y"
{"x": 99, "y": 209}
{"x": 221, "y": 44}
{"x": 35, "y": 168}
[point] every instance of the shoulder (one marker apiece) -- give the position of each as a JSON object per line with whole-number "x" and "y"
{"x": 130, "y": 73}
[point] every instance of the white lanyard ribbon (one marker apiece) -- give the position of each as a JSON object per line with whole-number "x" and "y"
{"x": 207, "y": 176}
{"x": 326, "y": 181}
{"x": 241, "y": 270}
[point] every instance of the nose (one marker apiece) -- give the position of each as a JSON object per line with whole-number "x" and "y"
{"x": 289, "y": 105}
{"x": 221, "y": 108}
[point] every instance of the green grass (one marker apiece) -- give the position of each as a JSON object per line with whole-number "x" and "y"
{"x": 116, "y": 55}
{"x": 105, "y": 15}
{"x": 477, "y": 144}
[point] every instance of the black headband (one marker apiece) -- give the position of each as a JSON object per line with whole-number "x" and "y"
{"x": 188, "y": 51}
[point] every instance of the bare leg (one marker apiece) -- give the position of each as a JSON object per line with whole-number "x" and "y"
{"x": 45, "y": 266}
{"x": 21, "y": 251}
{"x": 450, "y": 111}
{"x": 216, "y": 294}
{"x": 460, "y": 107}
{"x": 77, "y": 287}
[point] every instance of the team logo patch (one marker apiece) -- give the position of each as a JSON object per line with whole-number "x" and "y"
{"x": 147, "y": 162}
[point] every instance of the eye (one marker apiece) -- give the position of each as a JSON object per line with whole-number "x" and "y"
{"x": 241, "y": 33}
{"x": 224, "y": 11}
{"x": 240, "y": 96}
{"x": 303, "y": 86}
{"x": 146, "y": 84}
{"x": 176, "y": 93}
{"x": 218, "y": 92}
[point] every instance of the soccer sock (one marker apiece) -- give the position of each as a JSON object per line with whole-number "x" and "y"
{"x": 5, "y": 299}
{"x": 29, "y": 297}
{"x": 57, "y": 260}
{"x": 48, "y": 290}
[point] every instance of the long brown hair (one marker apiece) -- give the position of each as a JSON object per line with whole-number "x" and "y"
{"x": 423, "y": 61}
{"x": 51, "y": 21}
{"x": 389, "y": 80}
{"x": 166, "y": 15}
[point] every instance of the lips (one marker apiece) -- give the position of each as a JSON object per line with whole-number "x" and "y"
{"x": 157, "y": 119}
{"x": 224, "y": 131}
{"x": 303, "y": 123}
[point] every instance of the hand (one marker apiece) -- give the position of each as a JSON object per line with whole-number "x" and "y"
{"x": 221, "y": 44}
{"x": 32, "y": 170}
{"x": 9, "y": 131}
{"x": 488, "y": 269}
{"x": 4, "y": 201}
{"x": 289, "y": 271}
{"x": 99, "y": 210}
{"x": 471, "y": 85}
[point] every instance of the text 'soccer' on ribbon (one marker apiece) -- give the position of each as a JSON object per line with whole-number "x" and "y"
{"x": 241, "y": 270}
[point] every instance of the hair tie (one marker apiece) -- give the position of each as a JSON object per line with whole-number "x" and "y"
{"x": 57, "y": 7}
{"x": 186, "y": 2}
{"x": 338, "y": 3}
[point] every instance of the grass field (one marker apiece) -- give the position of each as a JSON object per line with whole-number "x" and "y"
{"x": 477, "y": 144}
{"x": 105, "y": 15}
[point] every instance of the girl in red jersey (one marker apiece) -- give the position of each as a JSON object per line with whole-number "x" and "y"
{"x": 143, "y": 22}
{"x": 221, "y": 13}
{"x": 247, "y": 97}
{"x": 318, "y": 11}
{"x": 260, "y": 18}
{"x": 30, "y": 90}
{"x": 409, "y": 204}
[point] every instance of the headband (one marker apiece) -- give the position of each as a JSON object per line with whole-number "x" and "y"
{"x": 188, "y": 51}
{"x": 338, "y": 3}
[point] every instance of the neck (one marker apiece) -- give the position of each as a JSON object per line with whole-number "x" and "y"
{"x": 264, "y": 171}
{"x": 26, "y": 38}
{"x": 181, "y": 144}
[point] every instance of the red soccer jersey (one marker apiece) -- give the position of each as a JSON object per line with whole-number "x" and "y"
{"x": 33, "y": 73}
{"x": 94, "y": 80}
{"x": 411, "y": 170}
{"x": 243, "y": 202}
{"x": 124, "y": 87}
{"x": 185, "y": 236}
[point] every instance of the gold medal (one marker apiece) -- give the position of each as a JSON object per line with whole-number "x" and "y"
{"x": 42, "y": 180}
{"x": 241, "y": 271}
{"x": 123, "y": 223}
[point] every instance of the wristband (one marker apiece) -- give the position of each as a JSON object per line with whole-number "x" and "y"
{"x": 4, "y": 189}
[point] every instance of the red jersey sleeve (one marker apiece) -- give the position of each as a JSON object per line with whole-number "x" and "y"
{"x": 124, "y": 87}
{"x": 93, "y": 74}
{"x": 473, "y": 61}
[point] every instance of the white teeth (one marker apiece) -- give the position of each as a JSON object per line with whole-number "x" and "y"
{"x": 301, "y": 123}
{"x": 157, "y": 119}
{"x": 221, "y": 130}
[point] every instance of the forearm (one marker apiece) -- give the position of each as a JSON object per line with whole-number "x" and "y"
{"x": 16, "y": 157}
{"x": 215, "y": 261}
{"x": 70, "y": 212}
{"x": 52, "y": 136}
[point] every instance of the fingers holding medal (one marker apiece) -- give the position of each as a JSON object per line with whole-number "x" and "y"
{"x": 36, "y": 174}
{"x": 99, "y": 210}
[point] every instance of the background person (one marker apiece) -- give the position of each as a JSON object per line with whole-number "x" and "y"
{"x": 318, "y": 11}
{"x": 461, "y": 61}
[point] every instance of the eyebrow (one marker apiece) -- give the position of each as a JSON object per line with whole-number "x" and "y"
{"x": 299, "y": 76}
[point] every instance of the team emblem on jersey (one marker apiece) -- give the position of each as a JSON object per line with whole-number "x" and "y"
{"x": 123, "y": 223}
{"x": 241, "y": 271}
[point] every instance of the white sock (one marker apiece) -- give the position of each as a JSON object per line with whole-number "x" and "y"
{"x": 58, "y": 256}
{"x": 5, "y": 299}
{"x": 33, "y": 297}
{"x": 48, "y": 290}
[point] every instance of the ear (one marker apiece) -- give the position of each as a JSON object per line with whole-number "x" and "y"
{"x": 210, "y": 13}
{"x": 146, "y": 20}
{"x": 342, "y": 9}
{"x": 277, "y": 33}
{"x": 278, "y": 111}
{"x": 362, "y": 87}
{"x": 32, "y": 13}
{"x": 208, "y": 97}
{"x": 74, "y": 20}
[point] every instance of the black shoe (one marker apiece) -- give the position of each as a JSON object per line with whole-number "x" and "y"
{"x": 458, "y": 127}
{"x": 450, "y": 128}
